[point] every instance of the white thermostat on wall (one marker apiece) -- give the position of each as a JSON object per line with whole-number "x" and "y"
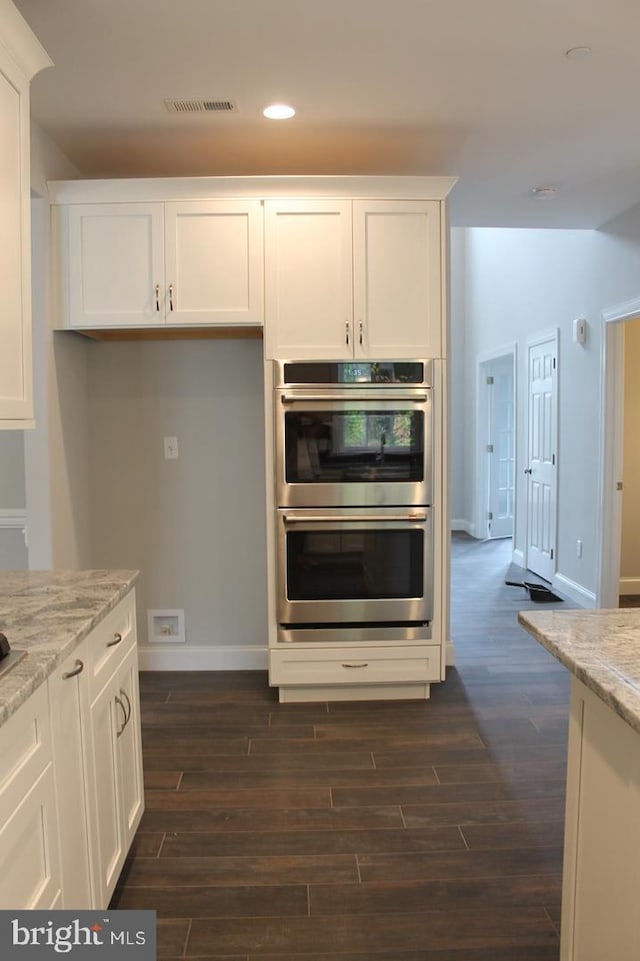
{"x": 579, "y": 330}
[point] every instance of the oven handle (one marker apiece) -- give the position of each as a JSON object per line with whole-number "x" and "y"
{"x": 293, "y": 399}
{"x": 375, "y": 518}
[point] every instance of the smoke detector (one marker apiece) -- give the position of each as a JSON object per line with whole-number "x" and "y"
{"x": 201, "y": 106}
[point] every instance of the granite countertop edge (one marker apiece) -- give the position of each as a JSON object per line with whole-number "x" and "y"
{"x": 48, "y": 614}
{"x": 599, "y": 648}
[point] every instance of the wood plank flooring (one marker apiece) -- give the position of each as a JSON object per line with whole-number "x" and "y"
{"x": 387, "y": 831}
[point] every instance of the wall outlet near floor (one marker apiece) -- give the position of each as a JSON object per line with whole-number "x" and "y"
{"x": 166, "y": 627}
{"x": 578, "y": 548}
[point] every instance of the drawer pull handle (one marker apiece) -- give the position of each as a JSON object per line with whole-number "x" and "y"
{"x": 74, "y": 673}
{"x": 124, "y": 711}
{"x": 157, "y": 297}
{"x": 116, "y": 640}
{"x": 363, "y": 664}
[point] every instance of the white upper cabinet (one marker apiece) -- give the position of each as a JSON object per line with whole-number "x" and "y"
{"x": 188, "y": 263}
{"x": 397, "y": 278}
{"x": 353, "y": 279}
{"x": 21, "y": 56}
{"x": 116, "y": 265}
{"x": 308, "y": 279}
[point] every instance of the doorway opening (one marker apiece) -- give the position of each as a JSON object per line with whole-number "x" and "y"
{"x": 619, "y": 574}
{"x": 495, "y": 514}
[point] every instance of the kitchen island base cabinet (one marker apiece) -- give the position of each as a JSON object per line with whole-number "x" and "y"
{"x": 116, "y": 749}
{"x": 68, "y": 691}
{"x": 601, "y": 881}
{"x": 30, "y": 874}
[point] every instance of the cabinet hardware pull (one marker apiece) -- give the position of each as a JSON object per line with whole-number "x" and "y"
{"x": 126, "y": 697}
{"x": 364, "y": 664}
{"x": 117, "y": 637}
{"x": 346, "y": 333}
{"x": 373, "y": 399}
{"x": 158, "y": 297}
{"x": 170, "y": 296}
{"x": 367, "y": 518}
{"x": 74, "y": 673}
{"x": 528, "y": 470}
{"x": 124, "y": 711}
{"x": 361, "y": 329}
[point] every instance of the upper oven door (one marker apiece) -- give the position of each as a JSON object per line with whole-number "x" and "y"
{"x": 349, "y": 447}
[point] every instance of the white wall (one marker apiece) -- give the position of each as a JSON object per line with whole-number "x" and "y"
{"x": 518, "y": 283}
{"x": 56, "y": 451}
{"x": 194, "y": 526}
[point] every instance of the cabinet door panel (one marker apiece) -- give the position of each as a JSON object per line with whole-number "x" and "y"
{"x": 69, "y": 720}
{"x": 29, "y": 845}
{"x": 214, "y": 262}
{"x": 116, "y": 262}
{"x": 397, "y": 278}
{"x": 308, "y": 289}
{"x": 105, "y": 724}
{"x": 15, "y": 319}
{"x": 130, "y": 749}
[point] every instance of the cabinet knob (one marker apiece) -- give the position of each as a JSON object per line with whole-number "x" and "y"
{"x": 528, "y": 470}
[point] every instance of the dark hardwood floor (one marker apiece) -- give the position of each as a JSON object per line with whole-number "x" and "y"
{"x": 386, "y": 831}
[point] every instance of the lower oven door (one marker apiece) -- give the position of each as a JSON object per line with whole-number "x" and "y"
{"x": 355, "y": 566}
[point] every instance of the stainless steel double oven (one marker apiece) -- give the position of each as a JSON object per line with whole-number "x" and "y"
{"x": 354, "y": 489}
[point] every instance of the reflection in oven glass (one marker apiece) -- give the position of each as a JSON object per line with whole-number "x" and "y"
{"x": 342, "y": 565}
{"x": 354, "y": 446}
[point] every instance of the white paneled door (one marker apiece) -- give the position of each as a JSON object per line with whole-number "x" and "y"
{"x": 501, "y": 445}
{"x": 541, "y": 468}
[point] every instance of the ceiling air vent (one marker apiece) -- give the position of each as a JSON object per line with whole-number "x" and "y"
{"x": 201, "y": 106}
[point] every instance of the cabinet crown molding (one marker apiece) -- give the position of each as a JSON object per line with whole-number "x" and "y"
{"x": 200, "y": 188}
{"x": 19, "y": 41}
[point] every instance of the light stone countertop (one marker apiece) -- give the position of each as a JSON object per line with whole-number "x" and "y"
{"x": 600, "y": 647}
{"x": 48, "y": 614}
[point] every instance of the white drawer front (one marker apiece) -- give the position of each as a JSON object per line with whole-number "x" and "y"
{"x": 355, "y": 665}
{"x": 109, "y": 643}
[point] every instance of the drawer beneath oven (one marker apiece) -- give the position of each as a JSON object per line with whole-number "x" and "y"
{"x": 355, "y": 665}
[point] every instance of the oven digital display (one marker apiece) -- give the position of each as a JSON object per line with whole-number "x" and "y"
{"x": 356, "y": 372}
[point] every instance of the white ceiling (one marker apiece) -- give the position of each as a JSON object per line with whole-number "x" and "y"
{"x": 480, "y": 89}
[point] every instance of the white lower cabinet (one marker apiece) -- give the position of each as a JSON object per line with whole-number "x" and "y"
{"x": 71, "y": 789}
{"x": 118, "y": 795}
{"x": 68, "y": 690}
{"x": 29, "y": 854}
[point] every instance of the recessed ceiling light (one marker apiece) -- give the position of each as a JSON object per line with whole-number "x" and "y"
{"x": 544, "y": 193}
{"x": 578, "y": 53}
{"x": 278, "y": 111}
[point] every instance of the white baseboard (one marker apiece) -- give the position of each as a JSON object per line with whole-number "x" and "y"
{"x": 457, "y": 524}
{"x": 629, "y": 585}
{"x": 517, "y": 557}
{"x": 575, "y": 591}
{"x": 185, "y": 658}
